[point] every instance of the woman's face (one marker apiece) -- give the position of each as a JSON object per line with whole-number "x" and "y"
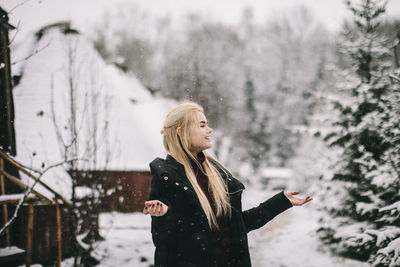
{"x": 200, "y": 134}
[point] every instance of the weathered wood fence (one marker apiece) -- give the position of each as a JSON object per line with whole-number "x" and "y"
{"x": 42, "y": 226}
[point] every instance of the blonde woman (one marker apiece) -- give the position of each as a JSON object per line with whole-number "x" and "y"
{"x": 195, "y": 203}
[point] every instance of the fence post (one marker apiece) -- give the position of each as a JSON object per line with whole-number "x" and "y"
{"x": 29, "y": 235}
{"x": 59, "y": 243}
{"x": 5, "y": 211}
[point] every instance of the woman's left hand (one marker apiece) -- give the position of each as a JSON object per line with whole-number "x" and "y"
{"x": 295, "y": 200}
{"x": 155, "y": 208}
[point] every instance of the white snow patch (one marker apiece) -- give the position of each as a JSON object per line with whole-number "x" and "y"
{"x": 10, "y": 251}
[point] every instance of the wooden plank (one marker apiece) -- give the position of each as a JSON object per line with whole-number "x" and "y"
{"x": 15, "y": 198}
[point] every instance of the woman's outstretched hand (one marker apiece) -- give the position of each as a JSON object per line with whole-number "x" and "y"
{"x": 295, "y": 200}
{"x": 155, "y": 208}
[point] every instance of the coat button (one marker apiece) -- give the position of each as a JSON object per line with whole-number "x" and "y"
{"x": 166, "y": 178}
{"x": 185, "y": 187}
{"x": 177, "y": 183}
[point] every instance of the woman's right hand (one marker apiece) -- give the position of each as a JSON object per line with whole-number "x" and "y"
{"x": 155, "y": 208}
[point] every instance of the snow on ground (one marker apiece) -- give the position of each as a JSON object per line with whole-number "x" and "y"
{"x": 288, "y": 241}
{"x": 128, "y": 240}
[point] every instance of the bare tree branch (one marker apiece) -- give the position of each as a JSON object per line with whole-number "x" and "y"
{"x": 18, "y": 5}
{"x": 31, "y": 55}
{"x": 28, "y": 192}
{"x": 16, "y": 33}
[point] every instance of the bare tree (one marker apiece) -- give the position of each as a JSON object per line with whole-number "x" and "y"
{"x": 82, "y": 132}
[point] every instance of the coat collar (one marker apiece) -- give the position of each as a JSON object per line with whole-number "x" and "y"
{"x": 234, "y": 185}
{"x": 171, "y": 161}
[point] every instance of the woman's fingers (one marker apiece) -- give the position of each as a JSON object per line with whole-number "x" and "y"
{"x": 305, "y": 200}
{"x": 308, "y": 198}
{"x": 146, "y": 209}
{"x": 295, "y": 200}
{"x": 164, "y": 209}
{"x": 158, "y": 209}
{"x": 155, "y": 208}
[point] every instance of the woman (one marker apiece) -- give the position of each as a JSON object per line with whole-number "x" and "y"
{"x": 196, "y": 208}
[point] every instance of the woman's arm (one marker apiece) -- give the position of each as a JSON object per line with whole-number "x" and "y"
{"x": 257, "y": 217}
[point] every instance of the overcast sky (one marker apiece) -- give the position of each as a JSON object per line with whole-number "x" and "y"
{"x": 30, "y": 15}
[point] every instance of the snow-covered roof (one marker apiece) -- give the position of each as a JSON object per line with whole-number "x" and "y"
{"x": 115, "y": 115}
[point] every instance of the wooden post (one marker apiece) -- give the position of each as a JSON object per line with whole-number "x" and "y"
{"x": 7, "y": 135}
{"x": 29, "y": 235}
{"x": 59, "y": 243}
{"x": 5, "y": 211}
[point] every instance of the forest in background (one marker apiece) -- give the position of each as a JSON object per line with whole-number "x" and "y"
{"x": 261, "y": 86}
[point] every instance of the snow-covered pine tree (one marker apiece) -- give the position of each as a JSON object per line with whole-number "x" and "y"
{"x": 255, "y": 129}
{"x": 366, "y": 224}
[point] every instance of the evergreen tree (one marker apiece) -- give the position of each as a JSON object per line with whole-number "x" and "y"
{"x": 255, "y": 131}
{"x": 366, "y": 223}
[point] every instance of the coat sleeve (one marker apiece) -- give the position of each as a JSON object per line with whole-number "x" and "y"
{"x": 257, "y": 217}
{"x": 163, "y": 228}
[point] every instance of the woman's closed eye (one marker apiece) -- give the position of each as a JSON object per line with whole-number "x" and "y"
{"x": 204, "y": 124}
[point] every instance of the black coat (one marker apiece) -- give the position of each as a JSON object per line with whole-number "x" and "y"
{"x": 183, "y": 237}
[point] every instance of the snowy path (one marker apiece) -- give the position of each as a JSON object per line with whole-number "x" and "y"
{"x": 288, "y": 241}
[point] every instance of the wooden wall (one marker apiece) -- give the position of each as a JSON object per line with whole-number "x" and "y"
{"x": 44, "y": 249}
{"x": 127, "y": 190}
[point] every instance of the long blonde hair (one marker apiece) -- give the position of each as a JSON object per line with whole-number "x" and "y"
{"x": 183, "y": 117}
